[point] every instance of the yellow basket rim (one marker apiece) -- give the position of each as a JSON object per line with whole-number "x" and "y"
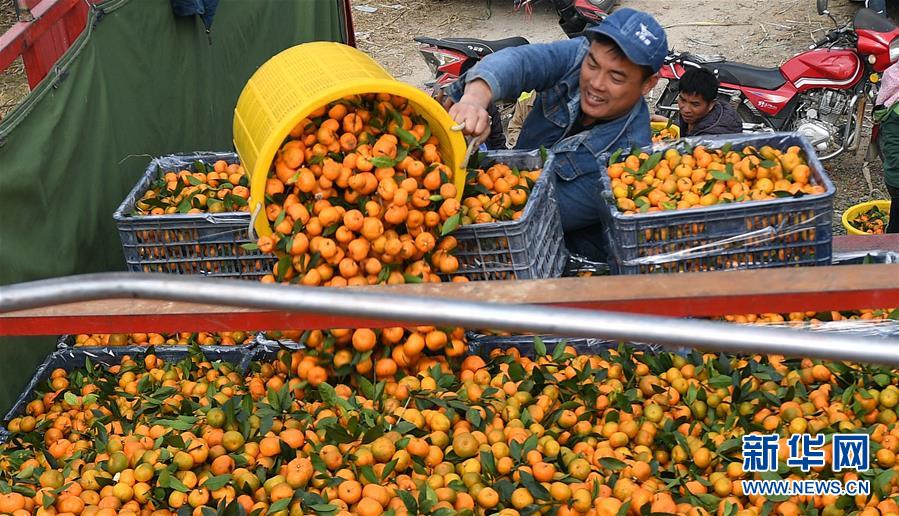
{"x": 426, "y": 106}
{"x": 658, "y": 126}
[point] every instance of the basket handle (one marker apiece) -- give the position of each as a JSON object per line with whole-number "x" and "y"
{"x": 473, "y": 144}
{"x": 251, "y": 231}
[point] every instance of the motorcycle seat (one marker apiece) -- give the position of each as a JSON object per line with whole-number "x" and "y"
{"x": 473, "y": 47}
{"x": 747, "y": 75}
{"x": 698, "y": 58}
{"x": 866, "y": 19}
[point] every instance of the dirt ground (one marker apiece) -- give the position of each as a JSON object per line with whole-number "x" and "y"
{"x": 735, "y": 28}
{"x": 13, "y": 85}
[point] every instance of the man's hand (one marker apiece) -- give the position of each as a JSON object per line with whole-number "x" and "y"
{"x": 473, "y": 118}
{"x": 658, "y": 118}
{"x": 471, "y": 110}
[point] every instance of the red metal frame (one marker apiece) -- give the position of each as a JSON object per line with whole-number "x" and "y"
{"x": 43, "y": 40}
{"x": 54, "y": 27}
{"x": 174, "y": 323}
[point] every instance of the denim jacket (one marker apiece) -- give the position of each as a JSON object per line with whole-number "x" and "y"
{"x": 553, "y": 69}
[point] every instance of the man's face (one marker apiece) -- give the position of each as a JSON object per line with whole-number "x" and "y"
{"x": 610, "y": 85}
{"x": 693, "y": 107}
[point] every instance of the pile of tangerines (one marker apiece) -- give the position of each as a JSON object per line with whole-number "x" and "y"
{"x": 611, "y": 434}
{"x": 227, "y": 338}
{"x": 208, "y": 188}
{"x": 496, "y": 194}
{"x": 811, "y": 318}
{"x": 663, "y": 135}
{"x": 671, "y": 180}
{"x": 379, "y": 354}
{"x": 359, "y": 194}
{"x": 873, "y": 221}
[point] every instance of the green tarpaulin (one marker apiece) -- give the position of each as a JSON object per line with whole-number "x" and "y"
{"x": 139, "y": 82}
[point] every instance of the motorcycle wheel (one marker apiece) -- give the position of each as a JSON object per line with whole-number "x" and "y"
{"x": 749, "y": 117}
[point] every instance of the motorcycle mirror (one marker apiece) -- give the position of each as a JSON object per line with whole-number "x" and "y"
{"x": 822, "y": 7}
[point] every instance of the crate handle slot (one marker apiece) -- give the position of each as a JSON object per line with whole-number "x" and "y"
{"x": 728, "y": 226}
{"x": 756, "y": 237}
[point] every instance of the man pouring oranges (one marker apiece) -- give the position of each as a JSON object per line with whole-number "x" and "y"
{"x": 590, "y": 104}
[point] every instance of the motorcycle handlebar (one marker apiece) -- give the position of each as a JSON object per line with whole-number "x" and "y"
{"x": 830, "y": 36}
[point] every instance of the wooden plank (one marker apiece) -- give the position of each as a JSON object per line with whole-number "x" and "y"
{"x": 848, "y": 279}
{"x": 856, "y": 243}
{"x": 191, "y": 321}
{"x": 682, "y": 295}
{"x": 75, "y": 22}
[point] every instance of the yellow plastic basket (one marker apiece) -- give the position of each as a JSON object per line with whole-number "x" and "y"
{"x": 303, "y": 78}
{"x": 658, "y": 126}
{"x": 858, "y": 209}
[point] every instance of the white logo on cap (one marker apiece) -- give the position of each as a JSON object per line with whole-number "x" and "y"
{"x": 646, "y": 35}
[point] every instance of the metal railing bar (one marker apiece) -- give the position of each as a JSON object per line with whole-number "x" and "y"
{"x": 669, "y": 332}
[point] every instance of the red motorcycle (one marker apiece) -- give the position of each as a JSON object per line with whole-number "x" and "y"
{"x": 451, "y": 57}
{"x": 820, "y": 93}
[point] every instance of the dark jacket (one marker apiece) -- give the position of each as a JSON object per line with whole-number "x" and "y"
{"x": 888, "y": 140}
{"x": 722, "y": 119}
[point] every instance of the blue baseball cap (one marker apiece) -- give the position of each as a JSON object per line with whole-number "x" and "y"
{"x": 638, "y": 34}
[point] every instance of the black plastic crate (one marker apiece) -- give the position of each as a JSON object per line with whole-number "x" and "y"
{"x": 266, "y": 351}
{"x": 188, "y": 243}
{"x": 482, "y": 345}
{"x": 267, "y": 348}
{"x": 531, "y": 247}
{"x": 582, "y": 266}
{"x": 75, "y": 358}
{"x": 863, "y": 257}
{"x": 265, "y": 340}
{"x": 755, "y": 234}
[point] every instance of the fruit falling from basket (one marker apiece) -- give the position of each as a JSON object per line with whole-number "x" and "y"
{"x": 663, "y": 135}
{"x": 359, "y": 195}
